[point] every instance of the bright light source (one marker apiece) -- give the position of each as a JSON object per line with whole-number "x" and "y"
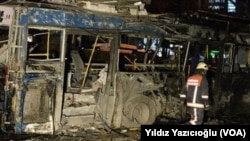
{"x": 137, "y": 3}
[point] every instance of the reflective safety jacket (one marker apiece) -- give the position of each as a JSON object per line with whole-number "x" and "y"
{"x": 195, "y": 91}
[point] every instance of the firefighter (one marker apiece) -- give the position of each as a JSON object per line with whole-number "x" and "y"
{"x": 195, "y": 94}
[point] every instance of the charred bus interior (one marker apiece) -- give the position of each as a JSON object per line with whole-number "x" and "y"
{"x": 68, "y": 73}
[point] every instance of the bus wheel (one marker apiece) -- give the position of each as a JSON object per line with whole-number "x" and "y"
{"x": 140, "y": 109}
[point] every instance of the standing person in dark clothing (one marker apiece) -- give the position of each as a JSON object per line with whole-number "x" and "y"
{"x": 193, "y": 63}
{"x": 195, "y": 92}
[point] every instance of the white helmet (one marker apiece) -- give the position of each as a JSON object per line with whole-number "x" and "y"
{"x": 202, "y": 66}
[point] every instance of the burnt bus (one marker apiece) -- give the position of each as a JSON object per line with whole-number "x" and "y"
{"x": 65, "y": 67}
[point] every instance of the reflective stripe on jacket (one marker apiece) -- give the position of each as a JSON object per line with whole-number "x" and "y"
{"x": 195, "y": 91}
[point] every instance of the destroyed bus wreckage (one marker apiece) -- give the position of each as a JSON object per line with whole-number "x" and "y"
{"x": 65, "y": 67}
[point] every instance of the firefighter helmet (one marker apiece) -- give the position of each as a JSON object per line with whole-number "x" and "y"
{"x": 202, "y": 66}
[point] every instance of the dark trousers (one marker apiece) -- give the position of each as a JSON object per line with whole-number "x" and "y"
{"x": 196, "y": 115}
